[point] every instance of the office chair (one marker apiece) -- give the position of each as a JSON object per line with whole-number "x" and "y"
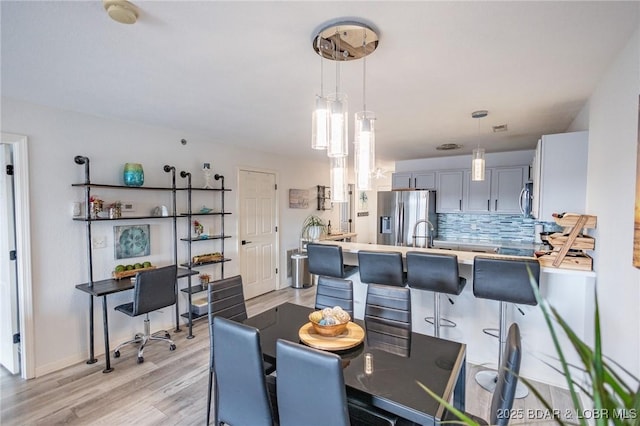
{"x": 154, "y": 289}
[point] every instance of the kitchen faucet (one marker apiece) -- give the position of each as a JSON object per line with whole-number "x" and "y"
{"x": 430, "y": 237}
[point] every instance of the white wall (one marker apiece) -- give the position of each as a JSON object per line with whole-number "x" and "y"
{"x": 59, "y": 258}
{"x": 611, "y": 182}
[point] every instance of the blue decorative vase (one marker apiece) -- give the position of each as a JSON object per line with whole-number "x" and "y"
{"x": 133, "y": 174}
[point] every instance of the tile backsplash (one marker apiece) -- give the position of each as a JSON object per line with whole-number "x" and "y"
{"x": 489, "y": 227}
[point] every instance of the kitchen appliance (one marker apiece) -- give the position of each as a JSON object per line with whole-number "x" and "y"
{"x": 407, "y": 217}
{"x": 526, "y": 199}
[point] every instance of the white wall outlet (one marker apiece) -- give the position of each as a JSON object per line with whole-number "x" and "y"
{"x": 99, "y": 242}
{"x": 128, "y": 207}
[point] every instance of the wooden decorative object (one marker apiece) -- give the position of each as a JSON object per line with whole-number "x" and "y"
{"x": 350, "y": 338}
{"x": 571, "y": 220}
{"x": 573, "y": 260}
{"x": 582, "y": 242}
{"x": 204, "y": 258}
{"x": 130, "y": 273}
{"x": 568, "y": 247}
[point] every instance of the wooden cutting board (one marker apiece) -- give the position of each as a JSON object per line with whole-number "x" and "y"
{"x": 352, "y": 337}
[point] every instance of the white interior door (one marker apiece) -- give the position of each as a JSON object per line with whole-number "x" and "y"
{"x": 9, "y": 324}
{"x": 258, "y": 237}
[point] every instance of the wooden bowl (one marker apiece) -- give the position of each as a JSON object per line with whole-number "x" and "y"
{"x": 329, "y": 330}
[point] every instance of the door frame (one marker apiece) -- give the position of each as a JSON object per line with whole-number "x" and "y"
{"x": 23, "y": 247}
{"x": 277, "y": 218}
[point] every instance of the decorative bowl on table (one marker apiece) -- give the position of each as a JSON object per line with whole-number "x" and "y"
{"x": 330, "y": 322}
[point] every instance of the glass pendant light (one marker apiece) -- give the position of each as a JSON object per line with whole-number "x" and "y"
{"x": 338, "y": 125}
{"x": 477, "y": 158}
{"x": 365, "y": 137}
{"x": 338, "y": 170}
{"x": 320, "y": 115}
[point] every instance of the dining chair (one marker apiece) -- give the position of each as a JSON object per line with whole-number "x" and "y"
{"x": 311, "y": 391}
{"x": 225, "y": 299}
{"x": 332, "y": 292}
{"x": 154, "y": 289}
{"x": 505, "y": 391}
{"x": 388, "y": 311}
{"x": 244, "y": 394}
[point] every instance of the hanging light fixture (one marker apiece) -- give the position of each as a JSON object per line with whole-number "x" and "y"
{"x": 477, "y": 158}
{"x": 346, "y": 41}
{"x": 320, "y": 115}
{"x": 338, "y": 170}
{"x": 365, "y": 136}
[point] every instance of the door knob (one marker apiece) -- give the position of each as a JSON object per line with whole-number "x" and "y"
{"x": 244, "y": 242}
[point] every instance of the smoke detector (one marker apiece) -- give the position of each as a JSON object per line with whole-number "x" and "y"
{"x": 121, "y": 11}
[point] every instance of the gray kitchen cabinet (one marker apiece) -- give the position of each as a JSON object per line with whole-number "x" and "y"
{"x": 477, "y": 195}
{"x": 449, "y": 191}
{"x": 506, "y": 185}
{"x": 560, "y": 174}
{"x": 413, "y": 180}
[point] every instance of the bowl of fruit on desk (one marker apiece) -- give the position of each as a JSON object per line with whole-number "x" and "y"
{"x": 124, "y": 271}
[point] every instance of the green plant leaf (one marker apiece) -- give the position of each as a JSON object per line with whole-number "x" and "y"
{"x": 464, "y": 419}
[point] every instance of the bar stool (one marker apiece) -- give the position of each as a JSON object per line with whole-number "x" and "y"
{"x": 384, "y": 268}
{"x": 326, "y": 259}
{"x": 437, "y": 273}
{"x": 507, "y": 281}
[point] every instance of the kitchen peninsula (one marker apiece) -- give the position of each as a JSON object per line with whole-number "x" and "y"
{"x": 570, "y": 292}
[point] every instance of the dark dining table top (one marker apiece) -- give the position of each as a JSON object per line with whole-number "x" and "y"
{"x": 398, "y": 363}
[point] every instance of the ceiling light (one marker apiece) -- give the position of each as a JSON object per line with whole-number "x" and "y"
{"x": 320, "y": 115}
{"x": 365, "y": 135}
{"x": 448, "y": 146}
{"x": 477, "y": 158}
{"x": 338, "y": 171}
{"x": 121, "y": 11}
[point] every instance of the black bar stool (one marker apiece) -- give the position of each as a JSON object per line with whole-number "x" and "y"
{"x": 327, "y": 260}
{"x": 384, "y": 268}
{"x": 437, "y": 273}
{"x": 507, "y": 281}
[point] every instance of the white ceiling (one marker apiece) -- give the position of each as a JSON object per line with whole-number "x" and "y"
{"x": 244, "y": 73}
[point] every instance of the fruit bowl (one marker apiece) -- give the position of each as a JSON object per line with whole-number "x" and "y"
{"x": 329, "y": 330}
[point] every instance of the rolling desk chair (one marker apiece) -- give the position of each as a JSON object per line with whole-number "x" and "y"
{"x": 154, "y": 289}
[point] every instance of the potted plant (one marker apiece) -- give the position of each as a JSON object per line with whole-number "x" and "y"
{"x": 313, "y": 227}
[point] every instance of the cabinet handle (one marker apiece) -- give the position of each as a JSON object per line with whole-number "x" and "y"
{"x": 496, "y": 209}
{"x": 488, "y": 205}
{"x": 460, "y": 205}
{"x": 415, "y": 182}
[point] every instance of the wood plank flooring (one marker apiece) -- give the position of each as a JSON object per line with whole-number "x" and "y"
{"x": 170, "y": 388}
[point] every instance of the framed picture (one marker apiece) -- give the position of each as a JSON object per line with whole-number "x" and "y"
{"x": 131, "y": 241}
{"x": 298, "y": 198}
{"x": 363, "y": 201}
{"x": 636, "y": 230}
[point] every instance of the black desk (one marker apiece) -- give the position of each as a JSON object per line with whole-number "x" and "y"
{"x": 437, "y": 363}
{"x": 102, "y": 289}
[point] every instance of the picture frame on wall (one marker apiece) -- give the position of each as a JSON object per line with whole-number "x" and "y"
{"x": 636, "y": 228}
{"x": 131, "y": 241}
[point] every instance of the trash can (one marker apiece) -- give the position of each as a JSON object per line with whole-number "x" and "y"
{"x": 300, "y": 276}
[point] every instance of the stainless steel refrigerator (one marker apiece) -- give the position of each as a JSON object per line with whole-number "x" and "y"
{"x": 398, "y": 214}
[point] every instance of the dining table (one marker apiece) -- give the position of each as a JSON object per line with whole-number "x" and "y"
{"x": 385, "y": 368}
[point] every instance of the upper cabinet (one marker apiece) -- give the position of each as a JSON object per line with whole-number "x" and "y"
{"x": 413, "y": 180}
{"x": 477, "y": 195}
{"x": 560, "y": 175}
{"x": 449, "y": 191}
{"x": 506, "y": 186}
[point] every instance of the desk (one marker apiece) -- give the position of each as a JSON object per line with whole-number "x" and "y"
{"x": 102, "y": 289}
{"x": 437, "y": 363}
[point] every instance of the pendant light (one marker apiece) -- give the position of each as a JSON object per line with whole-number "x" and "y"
{"x": 338, "y": 171}
{"x": 365, "y": 137}
{"x": 320, "y": 115}
{"x": 477, "y": 158}
{"x": 338, "y": 111}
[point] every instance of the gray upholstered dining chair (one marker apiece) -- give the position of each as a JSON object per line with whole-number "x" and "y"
{"x": 311, "y": 391}
{"x": 505, "y": 391}
{"x": 381, "y": 268}
{"x": 226, "y": 300}
{"x": 244, "y": 394}
{"x": 332, "y": 292}
{"x": 154, "y": 289}
{"x": 388, "y": 306}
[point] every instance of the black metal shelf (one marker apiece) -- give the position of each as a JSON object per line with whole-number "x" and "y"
{"x": 108, "y": 186}
{"x": 193, "y": 316}
{"x": 213, "y": 262}
{"x": 102, "y": 219}
{"x": 205, "y": 214}
{"x": 210, "y": 237}
{"x": 195, "y": 289}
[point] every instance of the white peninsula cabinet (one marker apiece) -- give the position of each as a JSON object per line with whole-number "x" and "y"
{"x": 560, "y": 175}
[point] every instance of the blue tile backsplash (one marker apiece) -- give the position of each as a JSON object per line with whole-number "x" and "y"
{"x": 488, "y": 227}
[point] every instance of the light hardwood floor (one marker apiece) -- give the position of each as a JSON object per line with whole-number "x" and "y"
{"x": 170, "y": 388}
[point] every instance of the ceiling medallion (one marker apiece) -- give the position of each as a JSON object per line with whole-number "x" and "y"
{"x": 121, "y": 11}
{"x": 343, "y": 41}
